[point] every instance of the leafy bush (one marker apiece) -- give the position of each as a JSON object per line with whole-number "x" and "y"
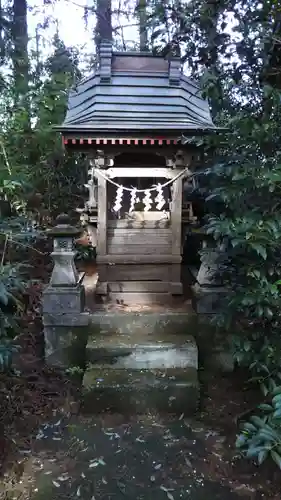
{"x": 14, "y": 233}
{"x": 12, "y": 285}
{"x": 6, "y": 356}
{"x": 261, "y": 436}
{"x": 248, "y": 183}
{"x": 85, "y": 253}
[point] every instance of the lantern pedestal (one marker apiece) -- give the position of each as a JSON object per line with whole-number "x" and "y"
{"x": 64, "y": 300}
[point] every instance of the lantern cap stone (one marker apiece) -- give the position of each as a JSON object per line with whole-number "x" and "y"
{"x": 62, "y": 219}
{"x": 63, "y": 227}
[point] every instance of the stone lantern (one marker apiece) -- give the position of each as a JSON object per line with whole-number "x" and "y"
{"x": 208, "y": 289}
{"x": 64, "y": 272}
{"x": 65, "y": 293}
{"x": 64, "y": 299}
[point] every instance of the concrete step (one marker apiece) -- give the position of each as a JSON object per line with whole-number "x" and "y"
{"x": 121, "y": 352}
{"x": 145, "y": 298}
{"x": 140, "y": 391}
{"x": 139, "y": 362}
{"x": 155, "y": 321}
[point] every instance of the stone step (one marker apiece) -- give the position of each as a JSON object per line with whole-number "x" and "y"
{"x": 145, "y": 298}
{"x": 156, "y": 321}
{"x": 140, "y": 391}
{"x": 121, "y": 351}
{"x": 140, "y": 362}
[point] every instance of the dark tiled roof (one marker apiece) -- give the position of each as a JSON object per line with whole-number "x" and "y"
{"x": 136, "y": 92}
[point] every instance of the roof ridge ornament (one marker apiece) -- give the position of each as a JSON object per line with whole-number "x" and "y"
{"x": 174, "y": 71}
{"x": 105, "y": 52}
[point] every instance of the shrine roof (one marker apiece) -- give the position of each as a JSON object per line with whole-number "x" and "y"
{"x": 136, "y": 92}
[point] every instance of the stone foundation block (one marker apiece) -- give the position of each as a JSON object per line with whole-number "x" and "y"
{"x": 65, "y": 345}
{"x": 63, "y": 300}
{"x": 207, "y": 300}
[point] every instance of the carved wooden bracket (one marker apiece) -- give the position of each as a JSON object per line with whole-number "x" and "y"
{"x": 181, "y": 159}
{"x": 101, "y": 160}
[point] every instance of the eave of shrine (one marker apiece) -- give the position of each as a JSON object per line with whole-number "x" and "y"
{"x": 124, "y": 141}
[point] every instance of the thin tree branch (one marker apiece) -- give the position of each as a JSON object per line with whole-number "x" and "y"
{"x": 5, "y": 157}
{"x": 4, "y": 250}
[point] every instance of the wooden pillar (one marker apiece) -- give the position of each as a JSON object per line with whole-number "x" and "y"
{"x": 176, "y": 210}
{"x": 102, "y": 216}
{"x": 101, "y": 228}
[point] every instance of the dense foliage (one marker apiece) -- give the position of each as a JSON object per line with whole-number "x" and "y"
{"x": 240, "y": 70}
{"x": 234, "y": 47}
{"x": 36, "y": 180}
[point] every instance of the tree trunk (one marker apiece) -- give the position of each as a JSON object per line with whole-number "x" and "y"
{"x": 2, "y": 44}
{"x": 209, "y": 24}
{"x": 142, "y": 25}
{"x": 20, "y": 52}
{"x": 104, "y": 23}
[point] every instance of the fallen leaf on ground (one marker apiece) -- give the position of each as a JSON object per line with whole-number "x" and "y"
{"x": 170, "y": 496}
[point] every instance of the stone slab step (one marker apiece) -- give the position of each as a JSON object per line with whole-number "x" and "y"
{"x": 142, "y": 352}
{"x": 130, "y": 298}
{"x": 145, "y": 322}
{"x": 140, "y": 391}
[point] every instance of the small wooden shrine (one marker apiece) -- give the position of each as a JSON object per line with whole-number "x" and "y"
{"x": 129, "y": 117}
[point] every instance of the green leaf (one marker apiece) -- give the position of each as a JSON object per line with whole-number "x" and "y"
{"x": 276, "y": 391}
{"x": 241, "y": 440}
{"x": 269, "y": 434}
{"x": 259, "y": 311}
{"x": 252, "y": 365}
{"x": 268, "y": 313}
{"x": 253, "y": 451}
{"x": 276, "y": 399}
{"x": 272, "y": 384}
{"x": 277, "y": 413}
{"x": 264, "y": 368}
{"x": 262, "y": 456}
{"x": 247, "y": 346}
{"x": 261, "y": 250}
{"x": 4, "y": 296}
{"x": 264, "y": 389}
{"x": 7, "y": 359}
{"x": 265, "y": 407}
{"x": 257, "y": 421}
{"x": 248, "y": 426}
{"x": 276, "y": 457}
{"x": 235, "y": 242}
